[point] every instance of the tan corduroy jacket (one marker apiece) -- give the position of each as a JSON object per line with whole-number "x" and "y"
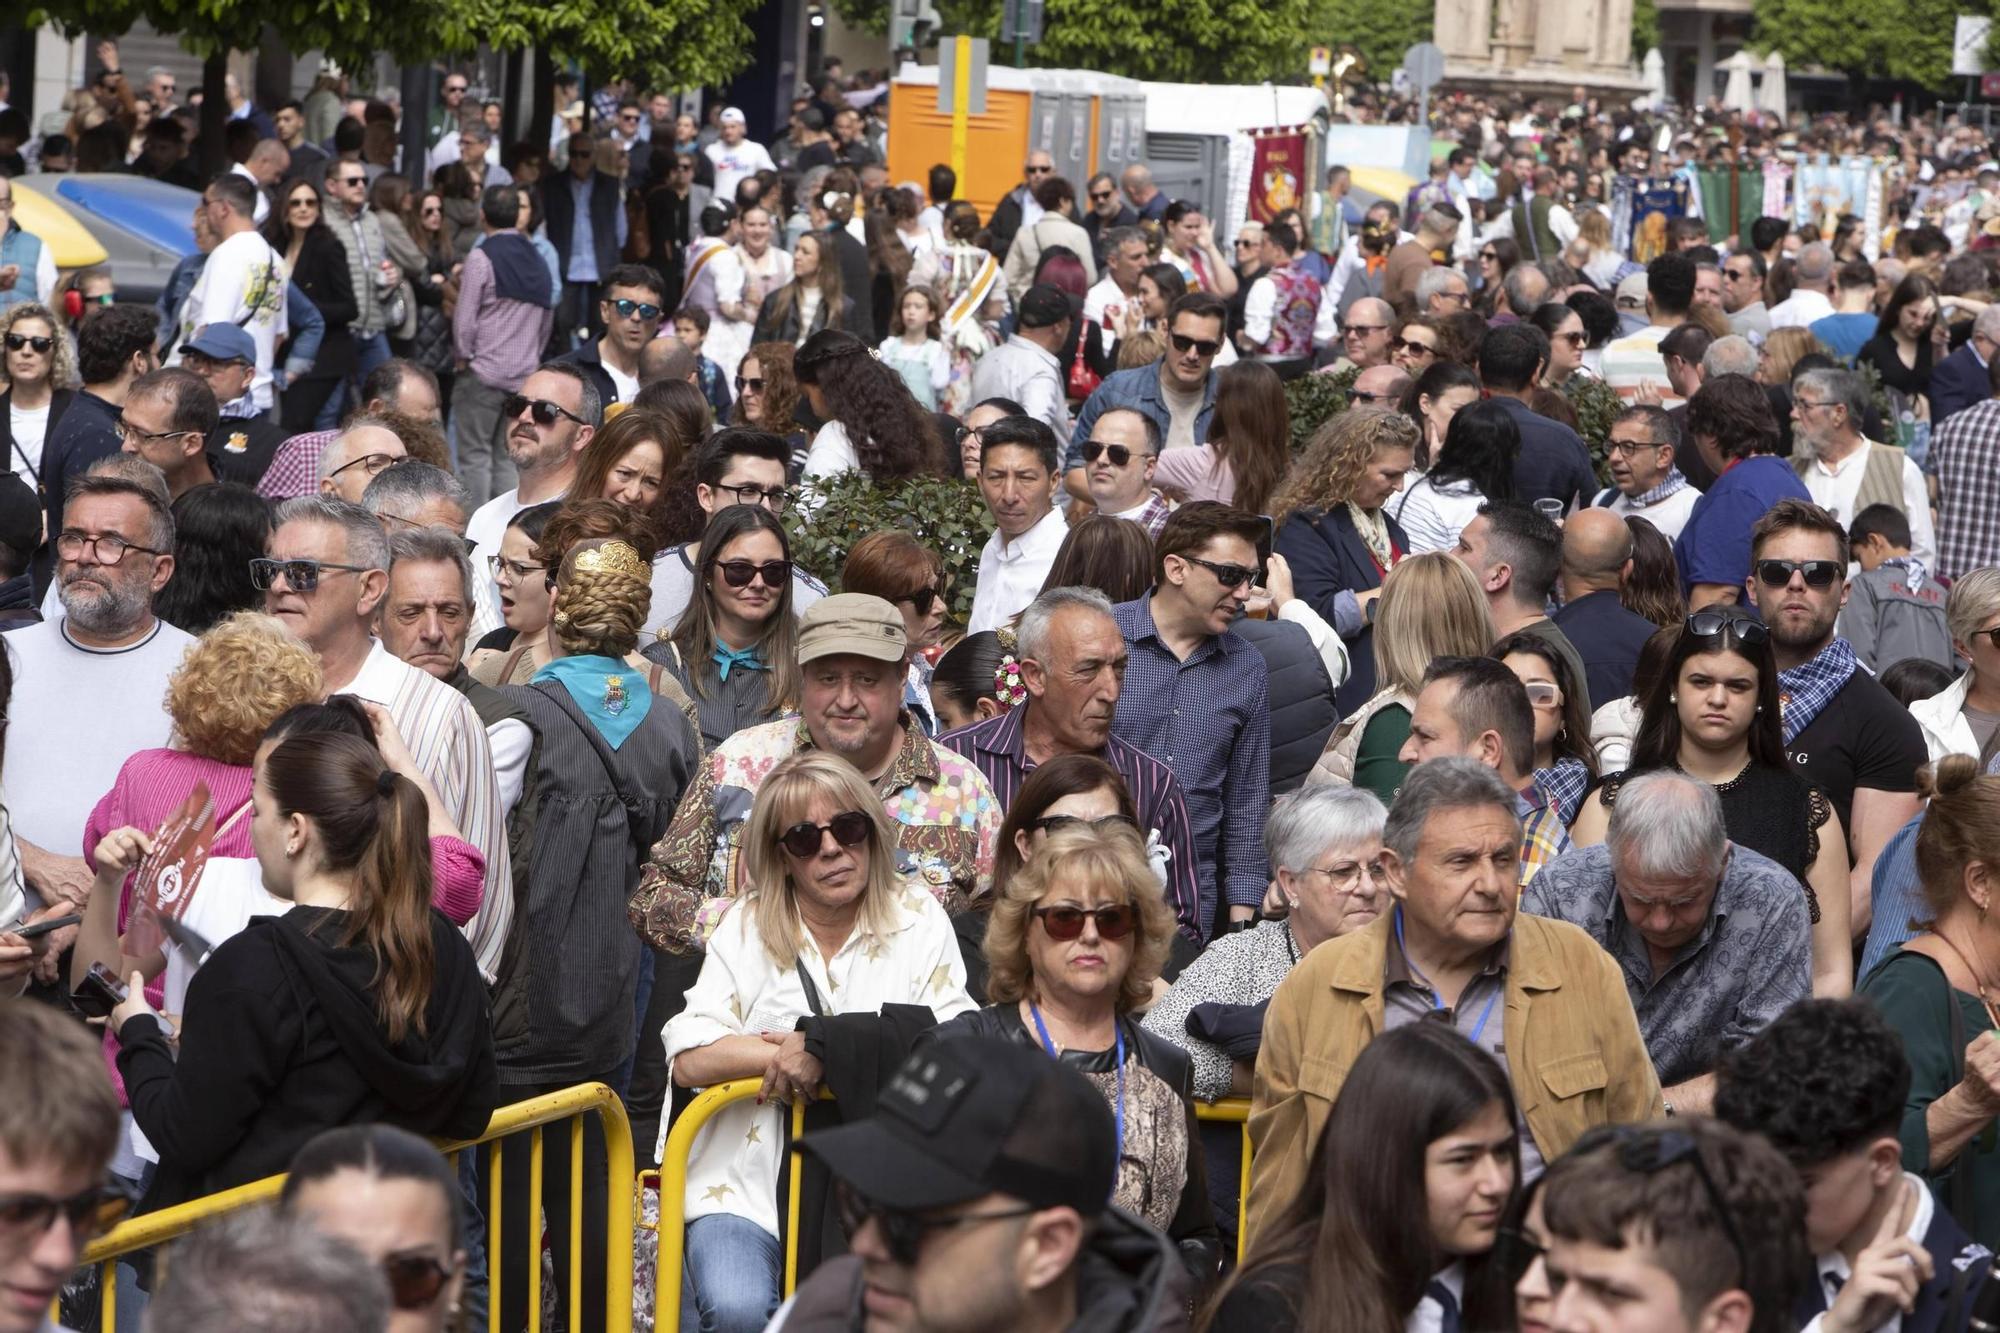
{"x": 1574, "y": 1053}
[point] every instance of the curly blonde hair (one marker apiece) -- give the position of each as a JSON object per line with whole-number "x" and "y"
{"x": 62, "y": 365}
{"x": 598, "y": 612}
{"x": 1112, "y": 858}
{"x": 1341, "y": 450}
{"x": 234, "y": 682}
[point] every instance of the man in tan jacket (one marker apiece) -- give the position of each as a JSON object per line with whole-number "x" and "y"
{"x": 1539, "y": 996}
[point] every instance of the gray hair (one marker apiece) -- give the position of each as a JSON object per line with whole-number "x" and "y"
{"x": 433, "y": 545}
{"x": 1434, "y": 280}
{"x": 1667, "y": 825}
{"x": 1119, "y": 237}
{"x": 1972, "y": 599}
{"x": 1732, "y": 355}
{"x": 1814, "y": 263}
{"x": 472, "y": 127}
{"x": 1452, "y": 783}
{"x": 402, "y": 491}
{"x": 1987, "y": 323}
{"x": 1313, "y": 820}
{"x": 590, "y": 406}
{"x": 331, "y": 453}
{"x": 148, "y": 488}
{"x": 367, "y": 544}
{"x": 1440, "y": 219}
{"x": 1837, "y": 386}
{"x": 264, "y": 1269}
{"x": 1522, "y": 298}
{"x": 1031, "y": 632}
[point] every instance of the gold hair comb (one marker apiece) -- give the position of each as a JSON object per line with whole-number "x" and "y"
{"x": 614, "y": 557}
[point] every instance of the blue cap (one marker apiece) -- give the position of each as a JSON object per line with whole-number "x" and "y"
{"x": 222, "y": 342}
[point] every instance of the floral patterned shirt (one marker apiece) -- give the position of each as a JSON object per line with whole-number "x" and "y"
{"x": 947, "y": 816}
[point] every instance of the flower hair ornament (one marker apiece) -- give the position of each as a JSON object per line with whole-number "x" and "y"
{"x": 615, "y": 557}
{"x": 1008, "y": 686}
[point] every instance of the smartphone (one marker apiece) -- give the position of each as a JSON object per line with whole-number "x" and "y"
{"x": 41, "y": 928}
{"x": 98, "y": 993}
{"x": 1266, "y": 538}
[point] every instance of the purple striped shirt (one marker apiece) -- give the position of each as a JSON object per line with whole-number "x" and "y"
{"x": 997, "y": 747}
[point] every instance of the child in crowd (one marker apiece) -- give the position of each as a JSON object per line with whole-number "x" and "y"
{"x": 914, "y": 347}
{"x": 1895, "y": 609}
{"x": 691, "y": 327}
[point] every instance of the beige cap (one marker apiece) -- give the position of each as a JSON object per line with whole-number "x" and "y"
{"x": 852, "y": 622}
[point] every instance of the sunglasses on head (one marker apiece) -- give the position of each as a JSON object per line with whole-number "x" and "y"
{"x": 414, "y": 1280}
{"x": 740, "y": 573}
{"x": 1114, "y": 920}
{"x": 1819, "y": 574}
{"x": 1650, "y": 1152}
{"x": 1714, "y": 624}
{"x": 1203, "y": 346}
{"x": 627, "y": 307}
{"x": 545, "y": 412}
{"x": 1229, "y": 576}
{"x": 16, "y": 341}
{"x": 1117, "y": 453}
{"x": 849, "y": 828}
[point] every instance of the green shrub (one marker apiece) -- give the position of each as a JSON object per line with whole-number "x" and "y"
{"x": 1312, "y": 399}
{"x": 944, "y": 513}
{"x": 1597, "y": 405}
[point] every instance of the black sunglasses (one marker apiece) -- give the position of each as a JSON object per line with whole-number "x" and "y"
{"x": 903, "y": 1232}
{"x": 90, "y": 1213}
{"x": 751, "y": 383}
{"x": 627, "y": 307}
{"x": 1714, "y": 624}
{"x": 414, "y": 1280}
{"x": 1205, "y": 346}
{"x": 300, "y": 575}
{"x": 740, "y": 573}
{"x": 923, "y": 599}
{"x": 1099, "y": 196}
{"x": 1819, "y": 574}
{"x": 545, "y": 412}
{"x": 1229, "y": 576}
{"x": 849, "y": 828}
{"x": 1114, "y": 920}
{"x": 1117, "y": 453}
{"x": 1650, "y": 1152}
{"x": 16, "y": 341}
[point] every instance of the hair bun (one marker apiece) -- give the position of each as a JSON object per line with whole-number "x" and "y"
{"x": 385, "y": 782}
{"x": 1948, "y": 776}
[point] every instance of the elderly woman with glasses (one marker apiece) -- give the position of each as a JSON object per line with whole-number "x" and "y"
{"x": 1712, "y": 714}
{"x": 824, "y": 927}
{"x": 1073, "y": 944}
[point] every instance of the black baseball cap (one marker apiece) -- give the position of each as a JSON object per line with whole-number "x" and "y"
{"x": 972, "y": 1116}
{"x": 1043, "y": 306}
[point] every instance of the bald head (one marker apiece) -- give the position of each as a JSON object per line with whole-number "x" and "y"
{"x": 1380, "y": 386}
{"x": 666, "y": 359}
{"x": 269, "y": 161}
{"x": 351, "y": 459}
{"x": 1596, "y": 545}
{"x": 1815, "y": 266}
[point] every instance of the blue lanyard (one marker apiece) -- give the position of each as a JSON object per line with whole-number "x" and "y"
{"x": 1437, "y": 1001}
{"x": 1118, "y": 1047}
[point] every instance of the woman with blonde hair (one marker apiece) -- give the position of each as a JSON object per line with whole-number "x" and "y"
{"x": 1781, "y": 351}
{"x": 1335, "y": 532}
{"x": 1074, "y": 943}
{"x": 1959, "y": 719}
{"x": 37, "y": 366}
{"x": 1431, "y": 606}
{"x": 824, "y": 927}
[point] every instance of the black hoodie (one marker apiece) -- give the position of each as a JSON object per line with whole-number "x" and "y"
{"x": 281, "y": 1040}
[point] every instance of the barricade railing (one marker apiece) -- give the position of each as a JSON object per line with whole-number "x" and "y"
{"x": 530, "y": 1117}
{"x": 671, "y": 1180}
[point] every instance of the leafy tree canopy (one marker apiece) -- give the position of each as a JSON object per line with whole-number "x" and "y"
{"x": 1884, "y": 39}
{"x": 1188, "y": 41}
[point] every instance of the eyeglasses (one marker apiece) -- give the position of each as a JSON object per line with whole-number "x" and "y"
{"x": 414, "y": 1280}
{"x": 1714, "y": 624}
{"x": 1229, "y": 576}
{"x": 923, "y": 599}
{"x": 1359, "y": 396}
{"x": 514, "y": 569}
{"x": 1807, "y": 404}
{"x": 1243, "y": 243}
{"x": 1542, "y": 694}
{"x": 106, "y": 549}
{"x": 1345, "y": 876}
{"x": 17, "y": 341}
{"x": 1630, "y": 447}
{"x": 1818, "y": 574}
{"x": 749, "y": 384}
{"x": 627, "y": 308}
{"x": 850, "y": 828}
{"x": 127, "y": 431}
{"x": 1461, "y": 296}
{"x": 374, "y": 464}
{"x": 1053, "y": 823}
{"x": 903, "y": 1232}
{"x": 775, "y": 499}
{"x": 300, "y": 575}
{"x": 740, "y": 573}
{"x": 1117, "y": 453}
{"x": 1114, "y": 920}
{"x": 1205, "y": 346}
{"x": 545, "y": 412}
{"x": 90, "y": 1213}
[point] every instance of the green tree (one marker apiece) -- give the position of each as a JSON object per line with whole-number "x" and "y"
{"x": 1882, "y": 39}
{"x": 1645, "y": 27}
{"x": 1380, "y": 32}
{"x": 1188, "y": 41}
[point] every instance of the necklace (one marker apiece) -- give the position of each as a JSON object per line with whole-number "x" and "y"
{"x": 1978, "y": 976}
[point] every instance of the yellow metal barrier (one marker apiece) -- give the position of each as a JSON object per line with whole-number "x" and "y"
{"x": 1236, "y": 1110}
{"x": 569, "y": 1105}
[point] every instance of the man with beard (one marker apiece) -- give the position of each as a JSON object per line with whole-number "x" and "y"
{"x": 546, "y": 425}
{"x": 89, "y": 685}
{"x": 1848, "y": 735}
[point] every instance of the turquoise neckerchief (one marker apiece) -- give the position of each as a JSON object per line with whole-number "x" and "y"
{"x": 606, "y": 690}
{"x": 750, "y": 659}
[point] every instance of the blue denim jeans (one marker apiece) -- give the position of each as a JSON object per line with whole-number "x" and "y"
{"x": 369, "y": 353}
{"x": 729, "y": 1276}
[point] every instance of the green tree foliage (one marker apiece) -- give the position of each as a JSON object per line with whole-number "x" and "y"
{"x": 1380, "y": 32}
{"x": 1883, "y": 39}
{"x": 1189, "y": 41}
{"x": 870, "y": 16}
{"x": 1645, "y": 27}
{"x": 944, "y": 513}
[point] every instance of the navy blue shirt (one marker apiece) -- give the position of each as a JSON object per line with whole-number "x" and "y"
{"x": 1209, "y": 720}
{"x": 1714, "y": 545}
{"x": 1608, "y": 638}
{"x": 1554, "y": 464}
{"x": 87, "y": 432}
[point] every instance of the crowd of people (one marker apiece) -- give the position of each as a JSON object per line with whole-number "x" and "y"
{"x": 1562, "y": 795}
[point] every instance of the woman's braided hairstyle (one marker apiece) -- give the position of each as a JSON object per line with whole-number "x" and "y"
{"x": 602, "y": 596}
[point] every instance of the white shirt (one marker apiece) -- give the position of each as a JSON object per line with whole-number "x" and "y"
{"x": 742, "y": 991}
{"x": 243, "y": 283}
{"x": 733, "y": 164}
{"x": 624, "y": 387}
{"x": 832, "y": 453}
{"x": 1011, "y": 573}
{"x": 1832, "y": 1270}
{"x": 30, "y": 426}
{"x": 76, "y": 716}
{"x": 1669, "y": 515}
{"x": 1259, "y": 307}
{"x": 1433, "y": 516}
{"x": 1104, "y": 305}
{"x": 263, "y": 210}
{"x": 1428, "y": 1317}
{"x": 484, "y": 530}
{"x": 510, "y": 740}
{"x": 1799, "y": 309}
{"x": 1326, "y": 327}
{"x": 1836, "y": 488}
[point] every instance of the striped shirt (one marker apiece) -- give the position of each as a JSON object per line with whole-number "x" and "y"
{"x": 448, "y": 742}
{"x": 294, "y": 469}
{"x": 997, "y": 747}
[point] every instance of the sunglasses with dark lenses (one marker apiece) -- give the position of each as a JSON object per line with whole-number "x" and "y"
{"x": 903, "y": 1232}
{"x": 1099, "y": 196}
{"x": 741, "y": 573}
{"x": 545, "y": 412}
{"x": 1052, "y": 823}
{"x": 626, "y": 308}
{"x": 1205, "y": 346}
{"x": 849, "y": 828}
{"x": 1410, "y": 345}
{"x": 1575, "y": 339}
{"x": 1229, "y": 576}
{"x": 749, "y": 384}
{"x": 923, "y": 599}
{"x": 16, "y": 341}
{"x": 1714, "y": 624}
{"x": 414, "y": 1280}
{"x": 91, "y": 1213}
{"x": 1819, "y": 574}
{"x": 1117, "y": 453}
{"x": 1114, "y": 920}
{"x": 300, "y": 575}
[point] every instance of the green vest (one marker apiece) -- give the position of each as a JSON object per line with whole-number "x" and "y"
{"x": 1532, "y": 233}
